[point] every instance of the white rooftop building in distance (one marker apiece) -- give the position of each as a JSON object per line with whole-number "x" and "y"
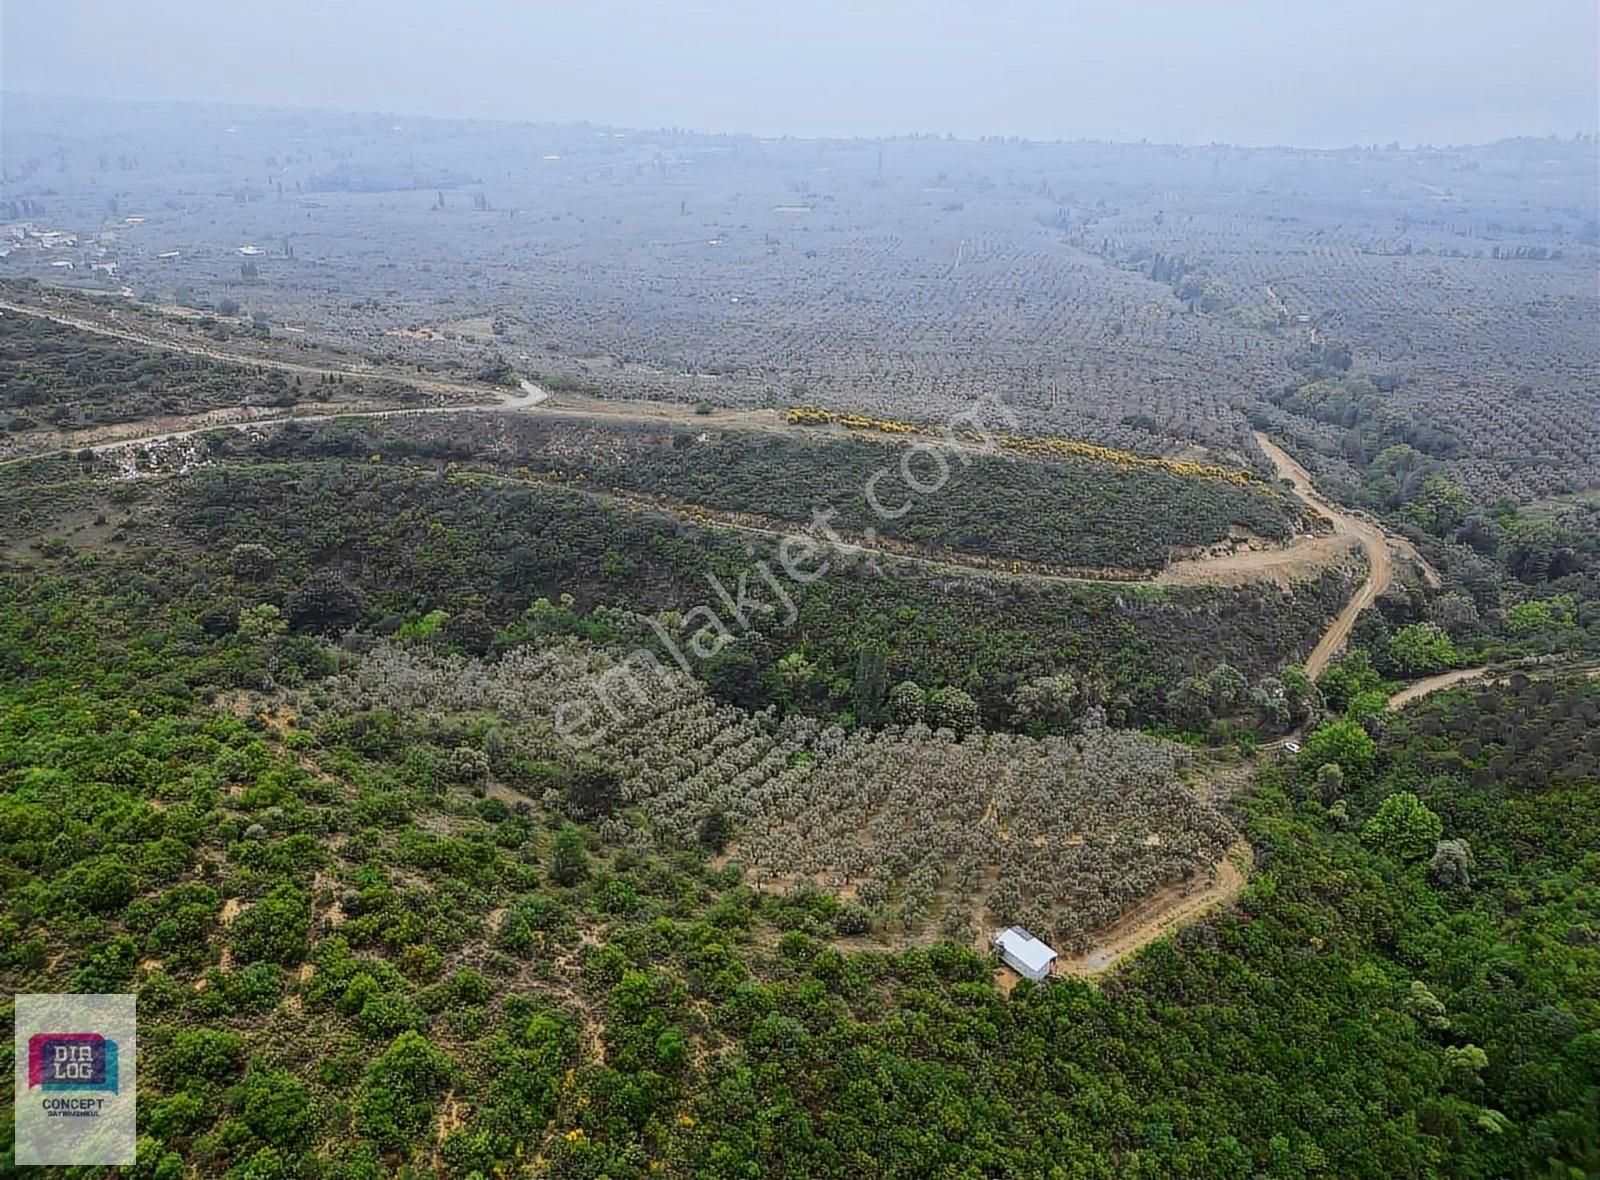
{"x": 1024, "y": 953}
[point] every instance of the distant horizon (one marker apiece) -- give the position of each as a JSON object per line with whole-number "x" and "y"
{"x": 8, "y": 94}
{"x": 1248, "y": 73}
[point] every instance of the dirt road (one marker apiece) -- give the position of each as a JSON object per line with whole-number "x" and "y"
{"x": 1432, "y": 684}
{"x": 1159, "y": 915}
{"x": 473, "y": 397}
{"x": 239, "y": 418}
{"x": 1418, "y": 689}
{"x": 471, "y": 391}
{"x": 1303, "y": 559}
{"x": 1372, "y": 539}
{"x": 1307, "y": 557}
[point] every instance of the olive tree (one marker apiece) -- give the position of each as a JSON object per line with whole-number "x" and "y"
{"x": 1452, "y": 864}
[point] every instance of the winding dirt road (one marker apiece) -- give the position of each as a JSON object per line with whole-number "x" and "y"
{"x": 1162, "y": 914}
{"x": 444, "y": 386}
{"x": 1418, "y": 689}
{"x": 1374, "y": 543}
{"x": 1304, "y": 558}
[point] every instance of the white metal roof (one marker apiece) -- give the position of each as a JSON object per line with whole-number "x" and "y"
{"x": 1024, "y": 948}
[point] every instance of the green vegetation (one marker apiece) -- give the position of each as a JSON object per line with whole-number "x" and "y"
{"x": 278, "y": 753}
{"x": 1048, "y": 514}
{"x": 1521, "y": 574}
{"x": 1362, "y": 406}
{"x": 367, "y": 543}
{"x": 348, "y": 959}
{"x": 56, "y": 377}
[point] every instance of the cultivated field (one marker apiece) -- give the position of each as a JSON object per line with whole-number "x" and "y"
{"x": 1151, "y": 298}
{"x": 927, "y": 833}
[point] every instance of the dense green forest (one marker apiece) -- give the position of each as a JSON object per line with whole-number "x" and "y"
{"x": 351, "y": 953}
{"x": 1520, "y": 580}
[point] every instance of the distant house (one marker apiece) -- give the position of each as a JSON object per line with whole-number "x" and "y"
{"x": 1024, "y": 953}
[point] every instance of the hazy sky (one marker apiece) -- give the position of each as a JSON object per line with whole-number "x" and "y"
{"x": 1314, "y": 72}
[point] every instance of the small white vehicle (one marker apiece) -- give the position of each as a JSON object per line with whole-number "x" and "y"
{"x": 1292, "y": 747}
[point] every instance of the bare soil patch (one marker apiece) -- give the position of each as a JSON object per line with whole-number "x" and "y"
{"x": 1159, "y": 915}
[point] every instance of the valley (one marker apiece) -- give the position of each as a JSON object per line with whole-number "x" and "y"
{"x": 545, "y": 649}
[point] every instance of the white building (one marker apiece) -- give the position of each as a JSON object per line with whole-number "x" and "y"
{"x": 1024, "y": 953}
